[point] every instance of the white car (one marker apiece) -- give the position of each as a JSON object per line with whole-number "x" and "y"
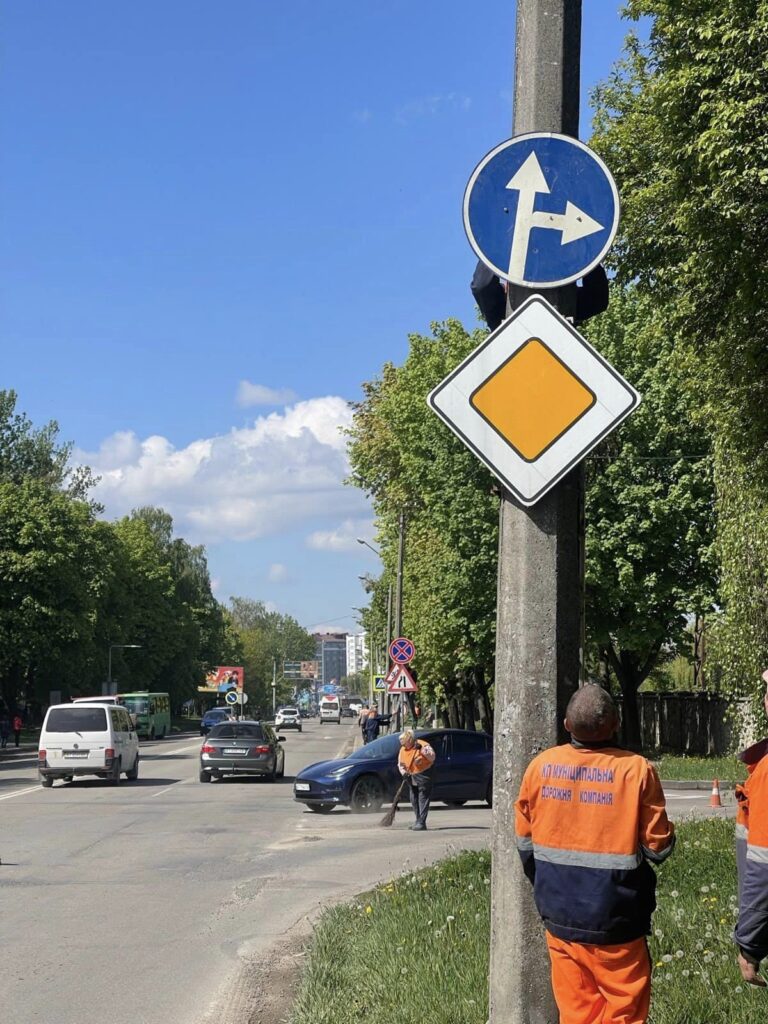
{"x": 87, "y": 739}
{"x": 288, "y": 718}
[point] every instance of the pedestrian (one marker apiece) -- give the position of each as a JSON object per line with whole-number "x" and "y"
{"x": 17, "y": 727}
{"x": 361, "y": 720}
{"x": 751, "y": 934}
{"x": 415, "y": 762}
{"x": 5, "y": 729}
{"x": 372, "y": 724}
{"x": 589, "y": 818}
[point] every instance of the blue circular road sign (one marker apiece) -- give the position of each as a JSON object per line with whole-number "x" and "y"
{"x": 401, "y": 651}
{"x": 541, "y": 210}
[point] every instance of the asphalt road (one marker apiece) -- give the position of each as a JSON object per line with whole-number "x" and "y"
{"x": 150, "y": 903}
{"x": 140, "y": 904}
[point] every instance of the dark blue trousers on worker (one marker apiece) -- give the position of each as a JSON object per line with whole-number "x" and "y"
{"x": 421, "y": 794}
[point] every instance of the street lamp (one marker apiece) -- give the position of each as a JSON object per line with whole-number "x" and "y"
{"x": 373, "y": 549}
{"x": 116, "y": 647}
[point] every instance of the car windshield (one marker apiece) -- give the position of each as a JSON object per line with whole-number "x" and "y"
{"x": 215, "y": 716}
{"x": 386, "y": 747}
{"x": 289, "y": 711}
{"x": 236, "y": 732}
{"x": 77, "y": 720}
{"x": 137, "y": 705}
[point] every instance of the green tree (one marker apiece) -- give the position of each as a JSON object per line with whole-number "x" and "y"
{"x": 405, "y": 459}
{"x": 682, "y": 123}
{"x": 649, "y": 507}
{"x": 27, "y": 453}
{"x": 53, "y": 570}
{"x": 268, "y": 639}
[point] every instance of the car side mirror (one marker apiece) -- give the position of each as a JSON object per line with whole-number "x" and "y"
{"x": 281, "y": 739}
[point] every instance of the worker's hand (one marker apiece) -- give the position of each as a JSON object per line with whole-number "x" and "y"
{"x": 750, "y": 972}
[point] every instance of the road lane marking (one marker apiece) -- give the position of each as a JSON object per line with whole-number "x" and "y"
{"x": 21, "y": 792}
{"x": 171, "y": 753}
{"x": 173, "y": 785}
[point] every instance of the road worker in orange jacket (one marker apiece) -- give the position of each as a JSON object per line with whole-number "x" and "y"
{"x": 415, "y": 762}
{"x": 589, "y": 817}
{"x": 751, "y": 933}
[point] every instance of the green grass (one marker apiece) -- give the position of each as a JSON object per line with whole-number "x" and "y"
{"x": 415, "y": 951}
{"x": 725, "y": 769}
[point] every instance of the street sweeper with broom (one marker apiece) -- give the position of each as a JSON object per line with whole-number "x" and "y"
{"x": 415, "y": 763}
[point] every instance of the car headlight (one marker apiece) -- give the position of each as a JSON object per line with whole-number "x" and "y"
{"x": 338, "y": 772}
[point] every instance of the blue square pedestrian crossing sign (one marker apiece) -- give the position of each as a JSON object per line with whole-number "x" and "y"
{"x": 379, "y": 683}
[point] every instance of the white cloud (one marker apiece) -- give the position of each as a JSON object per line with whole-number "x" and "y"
{"x": 362, "y": 116}
{"x": 431, "y": 106}
{"x": 343, "y": 538}
{"x": 284, "y": 470}
{"x": 278, "y": 573}
{"x": 258, "y": 394}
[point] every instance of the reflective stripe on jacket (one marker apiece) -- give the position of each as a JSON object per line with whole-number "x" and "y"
{"x": 752, "y": 854}
{"x": 587, "y": 820}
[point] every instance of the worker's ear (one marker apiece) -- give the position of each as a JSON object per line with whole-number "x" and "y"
{"x": 567, "y": 725}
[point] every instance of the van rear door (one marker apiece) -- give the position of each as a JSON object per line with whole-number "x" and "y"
{"x": 75, "y": 736}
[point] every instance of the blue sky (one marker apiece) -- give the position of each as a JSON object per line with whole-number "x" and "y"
{"x": 217, "y": 220}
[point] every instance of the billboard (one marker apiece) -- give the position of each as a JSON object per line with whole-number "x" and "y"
{"x": 223, "y": 678}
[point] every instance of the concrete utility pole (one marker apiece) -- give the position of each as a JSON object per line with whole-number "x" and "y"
{"x": 399, "y": 603}
{"x": 539, "y": 587}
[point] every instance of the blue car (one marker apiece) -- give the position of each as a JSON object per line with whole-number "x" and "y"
{"x": 214, "y": 717}
{"x": 369, "y": 778}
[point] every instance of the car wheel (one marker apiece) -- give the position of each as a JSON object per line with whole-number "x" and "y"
{"x": 133, "y": 774}
{"x": 46, "y": 781}
{"x": 367, "y": 795}
{"x": 321, "y": 808}
{"x": 281, "y": 773}
{"x": 204, "y": 776}
{"x": 489, "y": 793}
{"x": 454, "y": 803}
{"x": 114, "y": 778}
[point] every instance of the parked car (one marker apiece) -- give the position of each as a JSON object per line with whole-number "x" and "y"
{"x": 87, "y": 739}
{"x": 214, "y": 717}
{"x": 242, "y": 748}
{"x": 369, "y": 777}
{"x": 288, "y": 718}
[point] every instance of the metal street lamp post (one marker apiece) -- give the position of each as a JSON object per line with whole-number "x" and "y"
{"x": 116, "y": 647}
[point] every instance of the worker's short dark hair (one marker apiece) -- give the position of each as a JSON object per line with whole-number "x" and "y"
{"x": 591, "y": 713}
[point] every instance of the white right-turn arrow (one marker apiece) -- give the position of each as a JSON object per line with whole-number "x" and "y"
{"x": 528, "y": 181}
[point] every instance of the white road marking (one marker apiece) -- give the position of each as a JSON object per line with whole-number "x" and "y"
{"x": 21, "y": 792}
{"x": 172, "y": 786}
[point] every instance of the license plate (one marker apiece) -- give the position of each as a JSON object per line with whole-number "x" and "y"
{"x": 75, "y": 754}
{"x": 302, "y": 787}
{"x": 235, "y": 753}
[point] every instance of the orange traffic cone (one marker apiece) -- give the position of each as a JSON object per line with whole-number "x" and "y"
{"x": 714, "y": 800}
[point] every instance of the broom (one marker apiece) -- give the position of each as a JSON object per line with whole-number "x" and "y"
{"x": 389, "y": 817}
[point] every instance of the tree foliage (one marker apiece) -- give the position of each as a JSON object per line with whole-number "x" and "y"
{"x": 649, "y": 506}
{"x": 682, "y": 123}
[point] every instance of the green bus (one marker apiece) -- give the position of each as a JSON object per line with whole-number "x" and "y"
{"x": 150, "y": 711}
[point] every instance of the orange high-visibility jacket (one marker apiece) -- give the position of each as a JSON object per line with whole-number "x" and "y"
{"x": 418, "y": 759}
{"x": 752, "y": 854}
{"x": 588, "y": 818}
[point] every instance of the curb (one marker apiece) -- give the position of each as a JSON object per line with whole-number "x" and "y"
{"x": 673, "y": 784}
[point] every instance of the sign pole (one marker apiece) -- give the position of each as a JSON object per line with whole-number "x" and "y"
{"x": 539, "y": 586}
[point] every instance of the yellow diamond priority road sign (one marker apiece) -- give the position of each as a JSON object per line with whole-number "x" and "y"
{"x": 533, "y": 400}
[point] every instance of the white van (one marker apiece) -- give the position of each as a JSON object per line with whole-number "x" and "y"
{"x": 330, "y": 709}
{"x": 87, "y": 739}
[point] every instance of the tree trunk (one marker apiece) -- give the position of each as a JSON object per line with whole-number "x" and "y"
{"x": 484, "y": 701}
{"x": 453, "y": 713}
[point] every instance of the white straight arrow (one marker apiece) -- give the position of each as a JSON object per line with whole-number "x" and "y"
{"x": 529, "y": 180}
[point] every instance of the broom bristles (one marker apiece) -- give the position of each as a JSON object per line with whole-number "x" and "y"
{"x": 389, "y": 817}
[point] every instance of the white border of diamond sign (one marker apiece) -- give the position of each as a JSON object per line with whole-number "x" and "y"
{"x": 530, "y": 481}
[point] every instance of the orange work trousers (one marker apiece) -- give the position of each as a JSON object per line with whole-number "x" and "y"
{"x": 600, "y": 984}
